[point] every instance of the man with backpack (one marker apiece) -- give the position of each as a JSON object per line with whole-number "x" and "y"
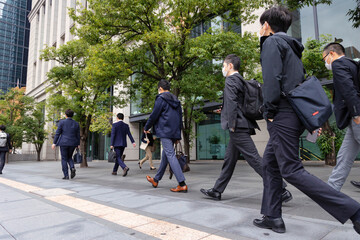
{"x": 5, "y": 146}
{"x": 282, "y": 71}
{"x": 240, "y": 128}
{"x": 347, "y": 110}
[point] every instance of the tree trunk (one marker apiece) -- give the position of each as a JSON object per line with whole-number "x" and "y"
{"x": 330, "y": 158}
{"x": 84, "y": 133}
{"x": 38, "y": 151}
{"x": 187, "y": 145}
{"x": 187, "y": 132}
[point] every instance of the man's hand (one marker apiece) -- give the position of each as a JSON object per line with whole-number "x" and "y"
{"x": 111, "y": 147}
{"x": 270, "y": 120}
{"x": 53, "y": 146}
{"x": 357, "y": 120}
{"x": 217, "y": 110}
{"x": 319, "y": 131}
{"x": 232, "y": 130}
{"x": 134, "y": 144}
{"x": 10, "y": 150}
{"x": 148, "y": 141}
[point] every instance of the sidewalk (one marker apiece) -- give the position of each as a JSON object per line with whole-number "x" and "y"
{"x": 35, "y": 203}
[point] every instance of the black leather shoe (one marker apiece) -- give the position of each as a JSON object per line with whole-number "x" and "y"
{"x": 286, "y": 196}
{"x": 126, "y": 169}
{"x": 276, "y": 224}
{"x": 357, "y": 226}
{"x": 211, "y": 193}
{"x": 355, "y": 184}
{"x": 66, "y": 178}
{"x": 73, "y": 173}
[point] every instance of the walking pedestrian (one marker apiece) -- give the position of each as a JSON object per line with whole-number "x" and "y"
{"x": 240, "y": 130}
{"x": 282, "y": 71}
{"x": 346, "y": 101}
{"x": 119, "y": 131}
{"x": 166, "y": 118}
{"x": 149, "y": 139}
{"x": 67, "y": 137}
{"x": 5, "y": 146}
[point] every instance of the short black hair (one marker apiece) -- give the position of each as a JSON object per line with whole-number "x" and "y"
{"x": 120, "y": 116}
{"x": 234, "y": 60}
{"x": 2, "y": 127}
{"x": 69, "y": 113}
{"x": 335, "y": 47}
{"x": 164, "y": 84}
{"x": 279, "y": 18}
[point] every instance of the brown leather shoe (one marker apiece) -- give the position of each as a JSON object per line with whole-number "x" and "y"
{"x": 152, "y": 181}
{"x": 126, "y": 169}
{"x": 114, "y": 173}
{"x": 180, "y": 189}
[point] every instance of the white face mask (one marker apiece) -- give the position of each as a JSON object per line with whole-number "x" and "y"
{"x": 328, "y": 65}
{"x": 224, "y": 72}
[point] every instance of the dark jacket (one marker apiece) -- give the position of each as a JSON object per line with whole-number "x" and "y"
{"x": 282, "y": 70}
{"x": 166, "y": 117}
{"x": 8, "y": 144}
{"x": 231, "y": 114}
{"x": 119, "y": 131}
{"x": 68, "y": 133}
{"x": 346, "y": 91}
{"x": 150, "y": 137}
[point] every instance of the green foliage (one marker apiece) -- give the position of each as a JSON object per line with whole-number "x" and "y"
{"x": 153, "y": 40}
{"x": 34, "y": 122}
{"x": 327, "y": 138}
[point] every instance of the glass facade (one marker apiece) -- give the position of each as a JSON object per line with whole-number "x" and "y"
{"x": 331, "y": 20}
{"x": 14, "y": 42}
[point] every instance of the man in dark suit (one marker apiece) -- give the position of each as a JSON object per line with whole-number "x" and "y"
{"x": 67, "y": 136}
{"x": 346, "y": 101}
{"x": 118, "y": 142}
{"x": 282, "y": 71}
{"x": 240, "y": 130}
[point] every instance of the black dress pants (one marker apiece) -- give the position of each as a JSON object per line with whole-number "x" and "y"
{"x": 281, "y": 160}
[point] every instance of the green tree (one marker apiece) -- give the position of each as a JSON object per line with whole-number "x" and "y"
{"x": 34, "y": 122}
{"x": 178, "y": 40}
{"x": 354, "y": 14}
{"x": 82, "y": 81}
{"x": 13, "y": 106}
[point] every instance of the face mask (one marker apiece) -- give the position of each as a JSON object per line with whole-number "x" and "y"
{"x": 224, "y": 72}
{"x": 328, "y": 65}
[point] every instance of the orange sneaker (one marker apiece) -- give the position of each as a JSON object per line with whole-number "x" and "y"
{"x": 152, "y": 181}
{"x": 180, "y": 189}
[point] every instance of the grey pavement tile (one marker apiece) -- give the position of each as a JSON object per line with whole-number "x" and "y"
{"x": 116, "y": 236}
{"x": 90, "y": 193}
{"x": 172, "y": 207}
{"x": 111, "y": 197}
{"x": 54, "y": 226}
{"x": 4, "y": 235}
{"x": 139, "y": 200}
{"x": 216, "y": 217}
{"x": 52, "y": 192}
{"x": 12, "y": 196}
{"x": 24, "y": 208}
{"x": 295, "y": 230}
{"x": 343, "y": 233}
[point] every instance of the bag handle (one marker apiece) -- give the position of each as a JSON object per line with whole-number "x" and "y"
{"x": 176, "y": 148}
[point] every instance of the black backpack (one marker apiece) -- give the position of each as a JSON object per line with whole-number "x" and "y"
{"x": 253, "y": 100}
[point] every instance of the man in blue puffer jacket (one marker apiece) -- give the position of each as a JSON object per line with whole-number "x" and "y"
{"x": 166, "y": 118}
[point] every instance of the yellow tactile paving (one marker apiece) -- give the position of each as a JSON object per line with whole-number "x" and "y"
{"x": 147, "y": 225}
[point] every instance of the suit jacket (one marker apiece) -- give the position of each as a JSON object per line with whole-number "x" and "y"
{"x": 231, "y": 114}
{"x": 67, "y": 133}
{"x": 118, "y": 134}
{"x": 8, "y": 144}
{"x": 346, "y": 97}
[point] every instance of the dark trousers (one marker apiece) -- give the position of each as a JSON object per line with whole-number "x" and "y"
{"x": 281, "y": 159}
{"x": 119, "y": 152}
{"x": 2, "y": 160}
{"x": 66, "y": 159}
{"x": 240, "y": 142}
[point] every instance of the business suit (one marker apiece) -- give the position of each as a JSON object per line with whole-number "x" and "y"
{"x": 3, "y": 151}
{"x": 346, "y": 106}
{"x": 119, "y": 131}
{"x": 67, "y": 136}
{"x": 281, "y": 65}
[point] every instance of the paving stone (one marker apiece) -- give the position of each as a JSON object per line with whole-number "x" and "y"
{"x": 53, "y": 192}
{"x": 99, "y": 191}
{"x": 137, "y": 201}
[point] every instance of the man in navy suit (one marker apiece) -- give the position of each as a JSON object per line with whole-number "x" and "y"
{"x": 118, "y": 142}
{"x": 347, "y": 110}
{"x": 68, "y": 138}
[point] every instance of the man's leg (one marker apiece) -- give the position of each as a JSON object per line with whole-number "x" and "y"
{"x": 163, "y": 164}
{"x": 119, "y": 151}
{"x": 70, "y": 160}
{"x": 287, "y": 130}
{"x": 168, "y": 149}
{"x": 149, "y": 154}
{"x": 2, "y": 160}
{"x": 230, "y": 159}
{"x": 349, "y": 149}
{"x": 64, "y": 155}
